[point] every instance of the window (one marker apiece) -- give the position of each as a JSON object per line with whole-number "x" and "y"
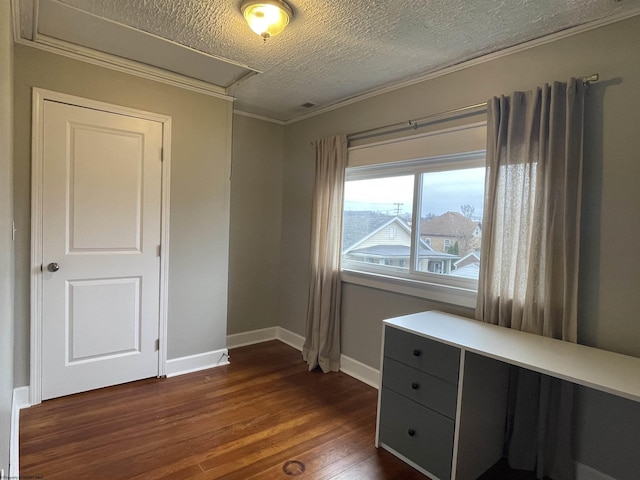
{"x": 411, "y": 223}
{"x": 434, "y": 267}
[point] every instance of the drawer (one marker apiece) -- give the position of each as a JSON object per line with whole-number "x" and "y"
{"x": 435, "y": 358}
{"x": 421, "y": 435}
{"x": 430, "y": 391}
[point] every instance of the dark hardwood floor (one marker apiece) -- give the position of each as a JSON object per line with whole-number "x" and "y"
{"x": 241, "y": 421}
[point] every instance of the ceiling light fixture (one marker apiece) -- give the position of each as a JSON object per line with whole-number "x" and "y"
{"x": 266, "y": 17}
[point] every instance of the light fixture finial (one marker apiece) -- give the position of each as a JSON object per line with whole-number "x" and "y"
{"x": 266, "y": 17}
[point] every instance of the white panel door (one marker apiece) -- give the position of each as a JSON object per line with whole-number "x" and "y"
{"x": 101, "y": 235}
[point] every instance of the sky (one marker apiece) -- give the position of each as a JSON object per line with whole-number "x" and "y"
{"x": 442, "y": 192}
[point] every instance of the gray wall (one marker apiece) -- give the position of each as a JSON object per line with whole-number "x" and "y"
{"x": 256, "y": 211}
{"x": 200, "y": 189}
{"x": 6, "y": 242}
{"x": 610, "y": 263}
{"x": 363, "y": 306}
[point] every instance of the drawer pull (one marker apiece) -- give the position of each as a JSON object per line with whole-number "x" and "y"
{"x": 415, "y": 386}
{"x": 417, "y": 353}
{"x": 411, "y": 432}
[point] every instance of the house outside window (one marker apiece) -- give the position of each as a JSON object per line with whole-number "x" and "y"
{"x": 415, "y": 223}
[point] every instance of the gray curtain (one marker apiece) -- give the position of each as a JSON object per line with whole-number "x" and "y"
{"x": 529, "y": 258}
{"x": 322, "y": 343}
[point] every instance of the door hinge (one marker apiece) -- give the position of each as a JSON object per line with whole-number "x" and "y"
{"x": 157, "y": 344}
{"x": 159, "y": 249}
{"x": 162, "y": 154}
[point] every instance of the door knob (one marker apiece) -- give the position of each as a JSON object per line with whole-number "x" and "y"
{"x": 53, "y": 267}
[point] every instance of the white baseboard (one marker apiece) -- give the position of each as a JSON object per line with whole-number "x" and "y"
{"x": 292, "y": 339}
{"x": 250, "y": 338}
{"x": 194, "y": 363}
{"x": 264, "y": 335}
{"x": 584, "y": 472}
{"x": 21, "y": 397}
{"x": 360, "y": 371}
{"x": 20, "y": 401}
{"x": 348, "y": 365}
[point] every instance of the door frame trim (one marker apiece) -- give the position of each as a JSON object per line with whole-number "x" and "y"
{"x": 39, "y": 96}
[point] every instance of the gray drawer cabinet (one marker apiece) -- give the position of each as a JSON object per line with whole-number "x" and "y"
{"x": 418, "y": 400}
{"x": 444, "y": 380}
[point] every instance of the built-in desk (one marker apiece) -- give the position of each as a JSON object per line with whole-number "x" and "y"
{"x": 443, "y": 387}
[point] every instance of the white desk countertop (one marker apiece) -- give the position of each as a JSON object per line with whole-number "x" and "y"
{"x": 599, "y": 369}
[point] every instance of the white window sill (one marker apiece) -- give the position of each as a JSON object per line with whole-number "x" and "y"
{"x": 431, "y": 291}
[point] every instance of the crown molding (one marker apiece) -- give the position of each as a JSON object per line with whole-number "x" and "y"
{"x": 259, "y": 117}
{"x": 569, "y": 32}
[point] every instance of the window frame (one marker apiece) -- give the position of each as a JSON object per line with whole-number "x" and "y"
{"x": 439, "y": 287}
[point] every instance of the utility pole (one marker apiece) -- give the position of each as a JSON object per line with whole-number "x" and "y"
{"x": 398, "y": 205}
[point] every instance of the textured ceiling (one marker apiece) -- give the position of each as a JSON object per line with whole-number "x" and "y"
{"x": 333, "y": 50}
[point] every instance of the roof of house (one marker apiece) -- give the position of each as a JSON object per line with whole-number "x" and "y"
{"x": 468, "y": 271}
{"x": 449, "y": 224}
{"x": 475, "y": 254}
{"x": 358, "y": 225}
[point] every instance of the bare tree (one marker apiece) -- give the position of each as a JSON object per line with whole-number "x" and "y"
{"x": 467, "y": 210}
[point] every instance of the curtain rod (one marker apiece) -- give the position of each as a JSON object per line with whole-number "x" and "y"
{"x": 415, "y": 123}
{"x": 394, "y": 127}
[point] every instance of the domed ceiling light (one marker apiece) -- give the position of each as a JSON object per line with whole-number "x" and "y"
{"x": 266, "y": 17}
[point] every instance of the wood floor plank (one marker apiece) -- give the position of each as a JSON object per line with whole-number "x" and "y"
{"x": 240, "y": 421}
{"x": 322, "y": 457}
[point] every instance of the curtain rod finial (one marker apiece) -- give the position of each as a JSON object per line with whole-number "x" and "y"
{"x": 591, "y": 78}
